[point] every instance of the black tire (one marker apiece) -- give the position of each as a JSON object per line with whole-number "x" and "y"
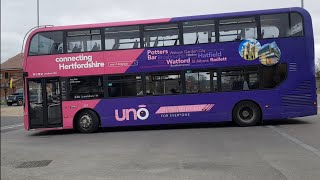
{"x": 87, "y": 121}
{"x": 19, "y": 102}
{"x": 9, "y": 104}
{"x": 246, "y": 113}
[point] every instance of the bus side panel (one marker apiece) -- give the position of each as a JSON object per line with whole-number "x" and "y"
{"x": 175, "y": 109}
{"x": 298, "y": 91}
{"x": 70, "y": 108}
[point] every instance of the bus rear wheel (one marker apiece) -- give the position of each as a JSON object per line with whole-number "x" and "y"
{"x": 246, "y": 113}
{"x": 87, "y": 121}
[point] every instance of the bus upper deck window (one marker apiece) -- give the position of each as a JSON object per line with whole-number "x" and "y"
{"x": 198, "y": 32}
{"x": 296, "y": 23}
{"x": 274, "y": 25}
{"x": 126, "y": 37}
{"x": 46, "y": 43}
{"x": 237, "y": 29}
{"x": 84, "y": 41}
{"x": 161, "y": 35}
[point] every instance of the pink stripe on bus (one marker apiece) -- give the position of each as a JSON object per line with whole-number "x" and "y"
{"x": 211, "y": 106}
{"x": 113, "y": 62}
{"x": 184, "y": 108}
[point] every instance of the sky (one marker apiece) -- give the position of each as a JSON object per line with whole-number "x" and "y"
{"x": 19, "y": 16}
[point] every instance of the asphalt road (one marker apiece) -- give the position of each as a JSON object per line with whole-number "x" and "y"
{"x": 9, "y": 120}
{"x": 280, "y": 149}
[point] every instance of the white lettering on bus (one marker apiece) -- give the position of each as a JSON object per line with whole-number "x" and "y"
{"x": 77, "y": 62}
{"x": 142, "y": 113}
{"x": 74, "y": 58}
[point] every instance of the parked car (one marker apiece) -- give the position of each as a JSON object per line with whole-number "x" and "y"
{"x": 15, "y": 98}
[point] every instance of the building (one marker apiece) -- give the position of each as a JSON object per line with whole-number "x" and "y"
{"x": 269, "y": 54}
{"x": 12, "y": 68}
{"x": 250, "y": 51}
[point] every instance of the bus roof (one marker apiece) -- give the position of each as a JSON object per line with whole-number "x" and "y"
{"x": 175, "y": 19}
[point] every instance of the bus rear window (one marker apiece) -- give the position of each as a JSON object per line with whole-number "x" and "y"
{"x": 46, "y": 43}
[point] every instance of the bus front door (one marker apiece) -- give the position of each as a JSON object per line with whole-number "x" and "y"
{"x": 44, "y": 103}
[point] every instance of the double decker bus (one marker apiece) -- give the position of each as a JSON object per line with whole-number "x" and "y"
{"x": 244, "y": 67}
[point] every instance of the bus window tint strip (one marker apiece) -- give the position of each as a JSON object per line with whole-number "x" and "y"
{"x": 168, "y": 83}
{"x": 162, "y": 35}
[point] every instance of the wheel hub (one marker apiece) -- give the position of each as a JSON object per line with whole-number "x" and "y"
{"x": 246, "y": 114}
{"x": 85, "y": 121}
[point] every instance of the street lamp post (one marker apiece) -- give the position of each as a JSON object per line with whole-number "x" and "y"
{"x": 302, "y": 3}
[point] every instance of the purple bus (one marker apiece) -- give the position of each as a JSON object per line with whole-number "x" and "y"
{"x": 244, "y": 67}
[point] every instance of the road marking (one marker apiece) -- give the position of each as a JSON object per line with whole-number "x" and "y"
{"x": 295, "y": 140}
{"x": 11, "y": 126}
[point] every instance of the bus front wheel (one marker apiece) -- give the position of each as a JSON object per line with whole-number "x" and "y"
{"x": 87, "y": 121}
{"x": 246, "y": 113}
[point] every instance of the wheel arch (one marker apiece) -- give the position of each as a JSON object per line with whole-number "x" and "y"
{"x": 82, "y": 110}
{"x": 248, "y": 100}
